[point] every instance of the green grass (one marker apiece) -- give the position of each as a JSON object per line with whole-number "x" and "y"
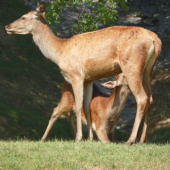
{"x": 85, "y": 155}
{"x": 30, "y": 87}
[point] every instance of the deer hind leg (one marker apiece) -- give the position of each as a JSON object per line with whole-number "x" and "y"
{"x": 147, "y": 78}
{"x": 102, "y": 135}
{"x": 141, "y": 99}
{"x": 88, "y": 92}
{"x": 134, "y": 78}
{"x": 133, "y": 65}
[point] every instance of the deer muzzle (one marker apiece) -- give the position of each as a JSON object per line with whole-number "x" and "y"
{"x": 9, "y": 30}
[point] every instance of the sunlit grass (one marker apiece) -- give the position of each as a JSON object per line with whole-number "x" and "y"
{"x": 83, "y": 155}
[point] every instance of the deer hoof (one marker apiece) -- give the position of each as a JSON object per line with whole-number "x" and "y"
{"x": 142, "y": 142}
{"x": 130, "y": 142}
{"x": 43, "y": 139}
{"x": 78, "y": 139}
{"x": 90, "y": 139}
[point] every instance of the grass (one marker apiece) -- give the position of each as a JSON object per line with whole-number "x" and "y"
{"x": 85, "y": 155}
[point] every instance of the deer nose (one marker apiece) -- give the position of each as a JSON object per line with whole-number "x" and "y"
{"x": 6, "y": 26}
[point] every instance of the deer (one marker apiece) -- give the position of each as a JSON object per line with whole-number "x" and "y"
{"x": 86, "y": 57}
{"x": 105, "y": 109}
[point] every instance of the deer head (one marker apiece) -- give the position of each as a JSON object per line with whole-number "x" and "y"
{"x": 25, "y": 24}
{"x": 120, "y": 81}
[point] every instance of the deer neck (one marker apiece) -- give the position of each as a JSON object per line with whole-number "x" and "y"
{"x": 49, "y": 44}
{"x": 118, "y": 98}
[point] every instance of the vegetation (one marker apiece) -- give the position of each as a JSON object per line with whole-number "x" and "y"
{"x": 85, "y": 155}
{"x": 85, "y": 15}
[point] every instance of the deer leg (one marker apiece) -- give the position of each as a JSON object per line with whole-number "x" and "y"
{"x": 77, "y": 85}
{"x": 88, "y": 92}
{"x": 55, "y": 115}
{"x": 64, "y": 106}
{"x": 141, "y": 104}
{"x": 143, "y": 138}
{"x": 147, "y": 78}
{"x": 136, "y": 86}
{"x": 71, "y": 117}
{"x": 102, "y": 135}
{"x": 147, "y": 87}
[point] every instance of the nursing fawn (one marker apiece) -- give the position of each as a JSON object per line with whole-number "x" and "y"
{"x": 105, "y": 110}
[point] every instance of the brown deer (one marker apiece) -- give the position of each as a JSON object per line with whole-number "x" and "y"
{"x": 90, "y": 56}
{"x": 105, "y": 110}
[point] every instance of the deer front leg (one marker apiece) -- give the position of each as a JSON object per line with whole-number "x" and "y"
{"x": 54, "y": 117}
{"x": 88, "y": 92}
{"x": 63, "y": 107}
{"x": 77, "y": 85}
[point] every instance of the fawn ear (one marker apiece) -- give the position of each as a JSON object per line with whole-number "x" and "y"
{"x": 40, "y": 8}
{"x": 109, "y": 84}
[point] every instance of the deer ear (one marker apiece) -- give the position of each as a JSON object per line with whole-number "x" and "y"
{"x": 40, "y": 7}
{"x": 109, "y": 84}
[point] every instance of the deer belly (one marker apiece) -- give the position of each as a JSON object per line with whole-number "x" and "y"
{"x": 99, "y": 69}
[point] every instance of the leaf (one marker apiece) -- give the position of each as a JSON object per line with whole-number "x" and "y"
{"x": 52, "y": 6}
{"x": 104, "y": 11}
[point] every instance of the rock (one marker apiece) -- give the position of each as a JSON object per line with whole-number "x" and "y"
{"x": 148, "y": 22}
{"x": 163, "y": 8}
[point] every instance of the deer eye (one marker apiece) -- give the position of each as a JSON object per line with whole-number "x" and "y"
{"x": 23, "y": 18}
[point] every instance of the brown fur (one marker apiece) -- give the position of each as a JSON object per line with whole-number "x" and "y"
{"x": 94, "y": 55}
{"x": 105, "y": 110}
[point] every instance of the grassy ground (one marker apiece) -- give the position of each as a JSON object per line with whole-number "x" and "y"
{"x": 85, "y": 155}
